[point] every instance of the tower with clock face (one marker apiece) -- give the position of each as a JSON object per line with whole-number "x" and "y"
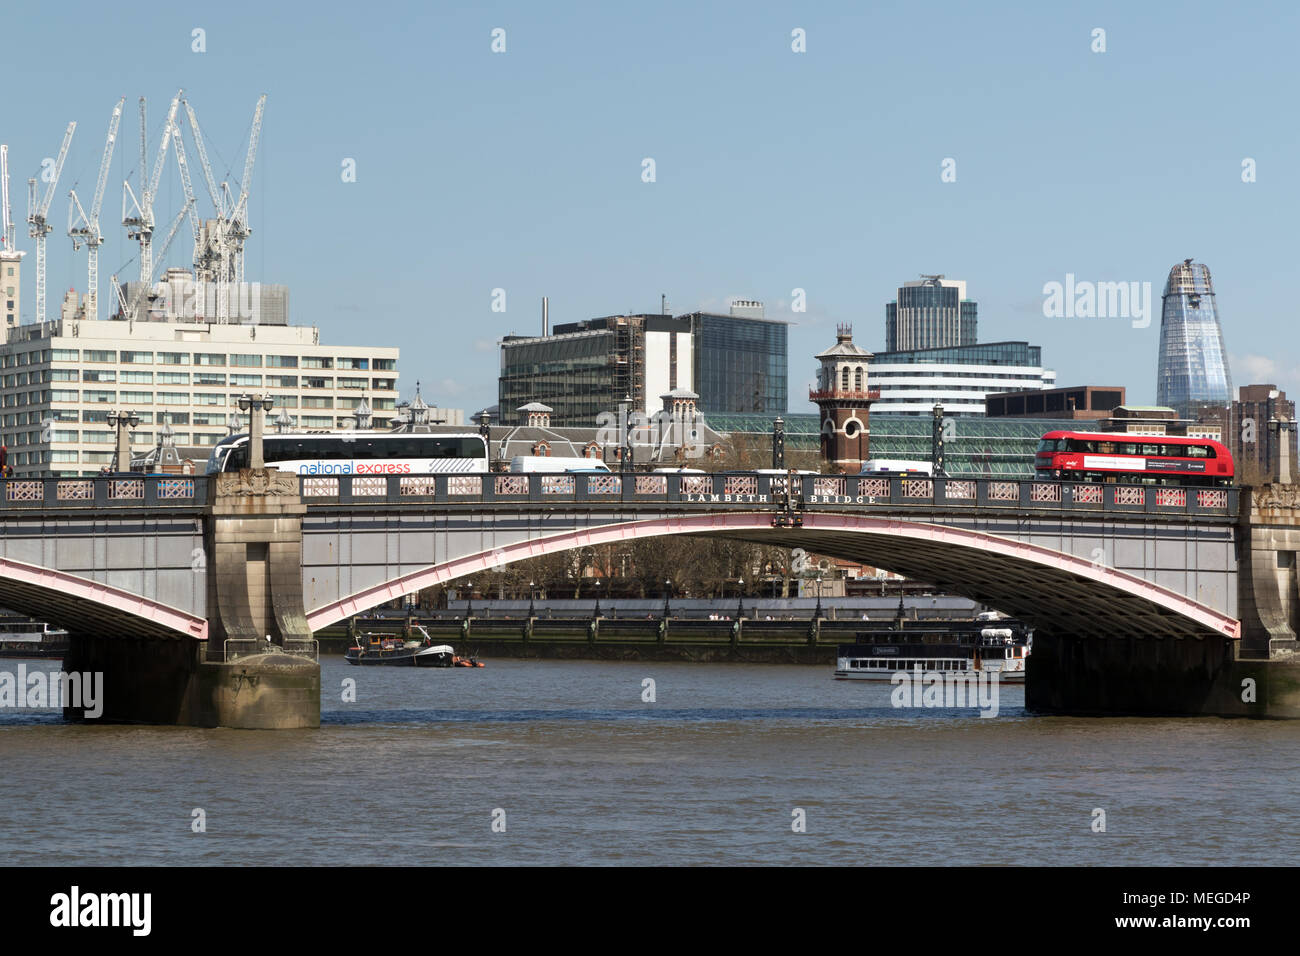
{"x": 844, "y": 397}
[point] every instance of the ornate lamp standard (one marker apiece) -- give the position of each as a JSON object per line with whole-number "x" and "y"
{"x": 256, "y": 425}
{"x": 123, "y": 422}
{"x": 668, "y": 588}
{"x": 740, "y": 598}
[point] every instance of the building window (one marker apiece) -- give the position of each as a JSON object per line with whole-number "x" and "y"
{"x": 857, "y": 379}
{"x": 209, "y": 358}
{"x": 246, "y": 361}
{"x": 282, "y": 361}
{"x": 173, "y": 358}
{"x": 137, "y": 358}
{"x": 593, "y": 450}
{"x": 100, "y": 355}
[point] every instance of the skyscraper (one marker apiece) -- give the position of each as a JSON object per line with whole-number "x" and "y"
{"x": 931, "y": 314}
{"x": 1193, "y": 364}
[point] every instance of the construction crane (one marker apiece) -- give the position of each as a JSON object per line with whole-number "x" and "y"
{"x": 137, "y": 216}
{"x": 8, "y": 235}
{"x": 221, "y": 257}
{"x": 239, "y": 230}
{"x": 183, "y": 165}
{"x": 37, "y": 226}
{"x": 131, "y": 309}
{"x": 83, "y": 228}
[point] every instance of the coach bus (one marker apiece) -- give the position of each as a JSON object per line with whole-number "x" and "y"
{"x": 1133, "y": 459}
{"x": 358, "y": 453}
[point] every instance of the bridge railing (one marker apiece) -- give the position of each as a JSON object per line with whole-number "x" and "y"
{"x": 746, "y": 491}
{"x": 127, "y": 491}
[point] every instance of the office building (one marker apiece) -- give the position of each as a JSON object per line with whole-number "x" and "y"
{"x": 60, "y": 380}
{"x": 741, "y": 360}
{"x": 959, "y": 378}
{"x": 1257, "y": 422}
{"x": 734, "y": 362}
{"x": 585, "y": 368}
{"x": 929, "y": 314}
{"x": 1192, "y": 369}
{"x": 11, "y": 287}
{"x": 1080, "y": 403}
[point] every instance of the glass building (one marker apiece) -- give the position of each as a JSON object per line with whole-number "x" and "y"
{"x": 931, "y": 313}
{"x": 1193, "y": 364}
{"x": 990, "y": 447}
{"x": 578, "y": 374}
{"x": 959, "y": 378}
{"x": 740, "y": 362}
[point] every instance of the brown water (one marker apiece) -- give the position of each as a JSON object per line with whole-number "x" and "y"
{"x": 588, "y": 773}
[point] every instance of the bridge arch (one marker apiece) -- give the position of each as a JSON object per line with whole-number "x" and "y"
{"x": 90, "y": 607}
{"x": 1044, "y": 587}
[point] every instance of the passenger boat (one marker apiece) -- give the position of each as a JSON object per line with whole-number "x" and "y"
{"x": 24, "y": 637}
{"x": 397, "y": 652}
{"x": 947, "y": 649}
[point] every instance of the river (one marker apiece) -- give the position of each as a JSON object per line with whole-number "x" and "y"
{"x": 563, "y": 762}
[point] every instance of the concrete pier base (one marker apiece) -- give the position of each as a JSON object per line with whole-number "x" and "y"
{"x": 1144, "y": 676}
{"x": 170, "y": 682}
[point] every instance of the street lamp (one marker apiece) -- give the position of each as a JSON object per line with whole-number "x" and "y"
{"x": 596, "y": 611}
{"x": 469, "y": 600}
{"x": 818, "y": 612}
{"x": 668, "y": 588}
{"x": 123, "y": 422}
{"x": 252, "y": 404}
{"x": 531, "y": 610}
{"x": 740, "y": 598}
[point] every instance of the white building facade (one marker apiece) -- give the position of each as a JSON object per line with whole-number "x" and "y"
{"x": 958, "y": 378}
{"x": 60, "y": 380}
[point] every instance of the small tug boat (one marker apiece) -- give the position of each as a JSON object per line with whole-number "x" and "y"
{"x": 396, "y": 652}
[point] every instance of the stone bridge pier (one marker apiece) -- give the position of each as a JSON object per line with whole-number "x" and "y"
{"x": 258, "y": 668}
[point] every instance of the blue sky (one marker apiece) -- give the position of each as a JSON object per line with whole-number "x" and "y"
{"x": 775, "y": 170}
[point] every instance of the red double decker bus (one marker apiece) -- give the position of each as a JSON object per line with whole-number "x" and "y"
{"x": 1123, "y": 458}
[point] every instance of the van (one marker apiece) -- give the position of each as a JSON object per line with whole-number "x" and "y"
{"x": 534, "y": 464}
{"x": 896, "y": 466}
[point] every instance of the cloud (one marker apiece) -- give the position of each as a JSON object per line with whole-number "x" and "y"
{"x": 1253, "y": 368}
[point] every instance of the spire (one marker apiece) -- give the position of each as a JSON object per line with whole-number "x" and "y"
{"x": 362, "y": 415}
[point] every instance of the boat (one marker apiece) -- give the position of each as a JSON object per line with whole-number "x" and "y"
{"x": 399, "y": 652}
{"x": 945, "y": 649}
{"x": 24, "y": 637}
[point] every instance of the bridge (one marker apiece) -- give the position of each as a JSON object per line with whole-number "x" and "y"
{"x": 1144, "y": 599}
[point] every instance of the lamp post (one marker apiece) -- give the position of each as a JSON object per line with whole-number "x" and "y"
{"x": 252, "y": 404}
{"x": 740, "y": 598}
{"x": 668, "y": 588}
{"x": 123, "y": 422}
{"x": 469, "y": 599}
{"x": 532, "y": 612}
{"x": 596, "y": 611}
{"x": 818, "y": 612}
